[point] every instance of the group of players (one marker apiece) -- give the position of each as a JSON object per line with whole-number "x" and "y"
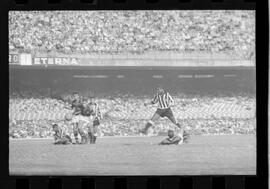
{"x": 86, "y": 116}
{"x": 84, "y": 120}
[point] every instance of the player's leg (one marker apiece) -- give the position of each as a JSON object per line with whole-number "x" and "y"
{"x": 85, "y": 128}
{"x": 81, "y": 132}
{"x": 94, "y": 134}
{"x": 155, "y": 117}
{"x": 63, "y": 140}
{"x": 69, "y": 139}
{"x": 170, "y": 116}
{"x": 186, "y": 137}
{"x": 183, "y": 134}
{"x": 95, "y": 128}
{"x": 88, "y": 136}
{"x": 177, "y": 140}
{"x": 74, "y": 124}
{"x": 75, "y": 132}
{"x": 165, "y": 142}
{"x": 91, "y": 132}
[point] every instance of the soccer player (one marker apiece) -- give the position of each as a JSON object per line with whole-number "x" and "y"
{"x": 60, "y": 136}
{"x": 165, "y": 101}
{"x": 92, "y": 110}
{"x": 78, "y": 120}
{"x": 172, "y": 139}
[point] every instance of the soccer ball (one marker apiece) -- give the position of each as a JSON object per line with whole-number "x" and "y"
{"x": 68, "y": 116}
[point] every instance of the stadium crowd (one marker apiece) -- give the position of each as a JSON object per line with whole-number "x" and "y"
{"x": 86, "y": 32}
{"x": 124, "y": 114}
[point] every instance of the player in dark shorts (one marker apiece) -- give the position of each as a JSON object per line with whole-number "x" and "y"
{"x": 78, "y": 119}
{"x": 60, "y": 136}
{"x": 164, "y": 100}
{"x": 91, "y": 109}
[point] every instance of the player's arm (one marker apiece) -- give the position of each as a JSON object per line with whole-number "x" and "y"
{"x": 170, "y": 99}
{"x": 154, "y": 101}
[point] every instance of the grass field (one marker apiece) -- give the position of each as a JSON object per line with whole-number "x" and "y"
{"x": 206, "y": 155}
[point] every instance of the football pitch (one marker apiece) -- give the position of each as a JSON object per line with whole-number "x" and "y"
{"x": 207, "y": 155}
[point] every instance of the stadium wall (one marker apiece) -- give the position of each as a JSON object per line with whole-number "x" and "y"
{"x": 136, "y": 80}
{"x": 170, "y": 58}
{"x": 134, "y": 73}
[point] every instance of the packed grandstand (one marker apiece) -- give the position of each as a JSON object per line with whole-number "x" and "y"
{"x": 112, "y": 32}
{"x": 86, "y": 32}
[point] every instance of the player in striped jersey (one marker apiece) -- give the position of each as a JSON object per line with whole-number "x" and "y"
{"x": 165, "y": 101}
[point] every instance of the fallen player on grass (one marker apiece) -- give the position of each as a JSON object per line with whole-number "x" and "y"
{"x": 174, "y": 139}
{"x": 60, "y": 136}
